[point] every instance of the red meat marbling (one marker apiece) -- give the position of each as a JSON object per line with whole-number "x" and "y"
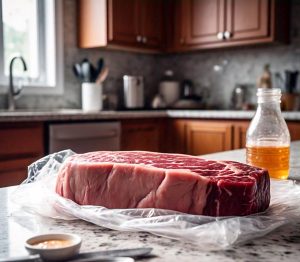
{"x": 189, "y": 184}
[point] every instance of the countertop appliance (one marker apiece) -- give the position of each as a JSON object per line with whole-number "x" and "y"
{"x": 133, "y": 91}
{"x": 84, "y": 137}
{"x": 169, "y": 88}
{"x": 243, "y": 97}
{"x": 188, "y": 99}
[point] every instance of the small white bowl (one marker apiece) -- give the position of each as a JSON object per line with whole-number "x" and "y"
{"x": 54, "y": 254}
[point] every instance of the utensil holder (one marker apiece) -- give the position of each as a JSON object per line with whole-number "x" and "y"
{"x": 91, "y": 97}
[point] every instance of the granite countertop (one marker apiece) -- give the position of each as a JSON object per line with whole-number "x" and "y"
{"x": 17, "y": 225}
{"x": 76, "y": 114}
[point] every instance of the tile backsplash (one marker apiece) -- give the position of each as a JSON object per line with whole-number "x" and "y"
{"x": 242, "y": 65}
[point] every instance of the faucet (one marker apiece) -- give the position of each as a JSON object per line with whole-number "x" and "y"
{"x": 12, "y": 92}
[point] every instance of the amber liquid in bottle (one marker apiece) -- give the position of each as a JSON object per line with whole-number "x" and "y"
{"x": 273, "y": 158}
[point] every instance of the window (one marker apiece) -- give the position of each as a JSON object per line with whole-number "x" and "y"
{"x": 32, "y": 29}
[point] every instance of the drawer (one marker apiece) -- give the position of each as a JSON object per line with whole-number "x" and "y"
{"x": 20, "y": 139}
{"x": 14, "y": 171}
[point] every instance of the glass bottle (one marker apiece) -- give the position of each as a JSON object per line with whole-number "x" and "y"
{"x": 268, "y": 138}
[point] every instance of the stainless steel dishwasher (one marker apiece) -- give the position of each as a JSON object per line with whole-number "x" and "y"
{"x": 84, "y": 137}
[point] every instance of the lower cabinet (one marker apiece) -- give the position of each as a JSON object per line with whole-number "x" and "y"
{"x": 294, "y": 128}
{"x": 239, "y": 135}
{"x": 21, "y": 144}
{"x": 199, "y": 137}
{"x": 142, "y": 135}
{"x": 205, "y": 137}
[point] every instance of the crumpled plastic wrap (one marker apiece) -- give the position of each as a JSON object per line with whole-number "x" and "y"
{"x": 37, "y": 195}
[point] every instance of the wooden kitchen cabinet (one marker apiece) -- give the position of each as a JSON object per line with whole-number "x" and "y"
{"x": 199, "y": 137}
{"x": 142, "y": 135}
{"x": 152, "y": 23}
{"x": 176, "y": 136}
{"x": 121, "y": 24}
{"x": 247, "y": 19}
{"x": 239, "y": 135}
{"x": 205, "y": 137}
{"x": 203, "y": 24}
{"x": 199, "y": 21}
{"x": 294, "y": 128}
{"x": 21, "y": 144}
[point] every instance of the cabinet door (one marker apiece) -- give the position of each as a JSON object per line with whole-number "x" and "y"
{"x": 151, "y": 22}
{"x": 141, "y": 136}
{"x": 205, "y": 137}
{"x": 21, "y": 144}
{"x": 247, "y": 19}
{"x": 176, "y": 136}
{"x": 240, "y": 130}
{"x": 294, "y": 128}
{"x": 123, "y": 22}
{"x": 201, "y": 21}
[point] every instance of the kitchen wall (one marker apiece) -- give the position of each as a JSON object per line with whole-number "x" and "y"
{"x": 244, "y": 66}
{"x": 120, "y": 63}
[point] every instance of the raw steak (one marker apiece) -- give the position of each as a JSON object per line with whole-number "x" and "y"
{"x": 189, "y": 184}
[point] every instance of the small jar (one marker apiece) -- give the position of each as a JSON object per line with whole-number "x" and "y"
{"x": 268, "y": 138}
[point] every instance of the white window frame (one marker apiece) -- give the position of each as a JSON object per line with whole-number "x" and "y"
{"x": 55, "y": 70}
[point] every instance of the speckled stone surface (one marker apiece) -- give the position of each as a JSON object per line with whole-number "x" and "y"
{"x": 76, "y": 114}
{"x": 16, "y": 226}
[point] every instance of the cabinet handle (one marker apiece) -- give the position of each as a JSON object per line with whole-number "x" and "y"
{"x": 227, "y": 34}
{"x": 144, "y": 39}
{"x": 139, "y": 38}
{"x": 220, "y": 36}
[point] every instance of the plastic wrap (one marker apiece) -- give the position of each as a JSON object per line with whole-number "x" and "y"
{"x": 37, "y": 195}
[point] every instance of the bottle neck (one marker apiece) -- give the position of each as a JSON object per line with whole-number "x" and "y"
{"x": 269, "y": 107}
{"x": 269, "y": 99}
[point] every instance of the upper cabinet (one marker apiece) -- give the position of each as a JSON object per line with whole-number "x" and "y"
{"x": 181, "y": 25}
{"x": 247, "y": 19}
{"x": 121, "y": 24}
{"x": 199, "y": 21}
{"x": 204, "y": 24}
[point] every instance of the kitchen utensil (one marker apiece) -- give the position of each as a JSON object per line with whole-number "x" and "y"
{"x": 102, "y": 76}
{"x": 105, "y": 259}
{"x": 77, "y": 71}
{"x": 133, "y": 91}
{"x": 54, "y": 254}
{"x": 93, "y": 72}
{"x": 86, "y": 71}
{"x": 117, "y": 254}
{"x": 30, "y": 258}
{"x": 100, "y": 65}
{"x": 130, "y": 252}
